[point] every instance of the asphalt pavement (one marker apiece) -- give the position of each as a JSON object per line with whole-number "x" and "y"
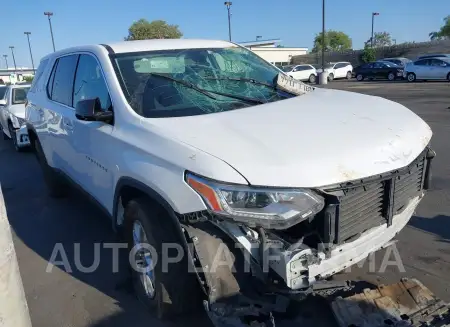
{"x": 103, "y": 298}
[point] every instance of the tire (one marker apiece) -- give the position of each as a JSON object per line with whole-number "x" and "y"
{"x": 312, "y": 79}
{"x": 175, "y": 291}
{"x": 330, "y": 77}
{"x": 391, "y": 76}
{"x": 56, "y": 186}
{"x": 359, "y": 77}
{"x": 5, "y": 137}
{"x": 12, "y": 132}
{"x": 349, "y": 75}
{"x": 448, "y": 77}
{"x": 411, "y": 77}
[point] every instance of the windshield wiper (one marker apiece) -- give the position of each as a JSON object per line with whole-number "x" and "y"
{"x": 243, "y": 79}
{"x": 208, "y": 92}
{"x": 250, "y": 80}
{"x": 187, "y": 84}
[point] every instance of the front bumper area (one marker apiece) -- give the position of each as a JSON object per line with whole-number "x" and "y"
{"x": 298, "y": 274}
{"x": 22, "y": 137}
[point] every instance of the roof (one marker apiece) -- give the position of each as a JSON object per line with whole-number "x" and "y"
{"x": 166, "y": 44}
{"x": 259, "y": 42}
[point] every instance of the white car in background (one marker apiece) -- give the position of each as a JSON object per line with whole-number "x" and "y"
{"x": 336, "y": 70}
{"x": 12, "y": 115}
{"x": 428, "y": 69}
{"x": 301, "y": 72}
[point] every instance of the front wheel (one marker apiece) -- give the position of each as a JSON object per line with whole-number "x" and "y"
{"x": 411, "y": 77}
{"x": 391, "y": 76}
{"x": 330, "y": 77}
{"x": 312, "y": 78}
{"x": 349, "y": 75}
{"x": 359, "y": 77}
{"x": 5, "y": 137}
{"x": 448, "y": 77}
{"x": 162, "y": 286}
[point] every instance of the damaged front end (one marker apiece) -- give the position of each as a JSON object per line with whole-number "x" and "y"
{"x": 255, "y": 250}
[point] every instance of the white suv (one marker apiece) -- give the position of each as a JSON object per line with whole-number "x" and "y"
{"x": 203, "y": 143}
{"x": 337, "y": 70}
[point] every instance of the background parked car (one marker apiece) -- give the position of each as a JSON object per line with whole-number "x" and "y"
{"x": 301, "y": 72}
{"x": 428, "y": 69}
{"x": 12, "y": 115}
{"x": 399, "y": 61}
{"x": 378, "y": 69}
{"x": 438, "y": 55}
{"x": 336, "y": 70}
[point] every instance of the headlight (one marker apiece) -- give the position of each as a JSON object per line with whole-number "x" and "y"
{"x": 265, "y": 207}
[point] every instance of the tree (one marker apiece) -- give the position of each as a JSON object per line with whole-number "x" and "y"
{"x": 382, "y": 39}
{"x": 368, "y": 54}
{"x": 444, "y": 31}
{"x": 334, "y": 41}
{"x": 28, "y": 78}
{"x": 157, "y": 29}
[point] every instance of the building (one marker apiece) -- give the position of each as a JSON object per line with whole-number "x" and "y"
{"x": 274, "y": 53}
{"x": 8, "y": 75}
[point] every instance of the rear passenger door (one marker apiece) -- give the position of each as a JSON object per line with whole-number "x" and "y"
{"x": 58, "y": 113}
{"x": 91, "y": 140}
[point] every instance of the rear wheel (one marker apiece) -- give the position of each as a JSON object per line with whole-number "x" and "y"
{"x": 330, "y": 77}
{"x": 55, "y": 184}
{"x": 359, "y": 77}
{"x": 349, "y": 75}
{"x": 411, "y": 77}
{"x": 391, "y": 76}
{"x": 167, "y": 290}
{"x": 312, "y": 78}
{"x": 448, "y": 77}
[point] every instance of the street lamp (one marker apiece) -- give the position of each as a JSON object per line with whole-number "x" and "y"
{"x": 373, "y": 19}
{"x": 228, "y": 4}
{"x": 323, "y": 37}
{"x": 6, "y": 61}
{"x": 29, "y": 46}
{"x": 49, "y": 14}
{"x": 14, "y": 59}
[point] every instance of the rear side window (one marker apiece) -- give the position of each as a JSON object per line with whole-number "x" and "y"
{"x": 35, "y": 85}
{"x": 60, "y": 86}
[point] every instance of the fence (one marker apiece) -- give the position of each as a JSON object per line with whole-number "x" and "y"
{"x": 407, "y": 50}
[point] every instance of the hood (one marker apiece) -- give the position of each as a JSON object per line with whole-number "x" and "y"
{"x": 17, "y": 110}
{"x": 320, "y": 138}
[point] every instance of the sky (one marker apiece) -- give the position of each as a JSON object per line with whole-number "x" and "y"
{"x": 295, "y": 22}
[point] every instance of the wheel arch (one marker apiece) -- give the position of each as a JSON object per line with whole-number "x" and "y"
{"x": 128, "y": 188}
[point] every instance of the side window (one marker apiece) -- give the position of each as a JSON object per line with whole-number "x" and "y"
{"x": 38, "y": 76}
{"x": 63, "y": 80}
{"x": 89, "y": 82}
{"x": 422, "y": 62}
{"x": 339, "y": 65}
{"x": 437, "y": 63}
{"x": 300, "y": 68}
{"x": 51, "y": 79}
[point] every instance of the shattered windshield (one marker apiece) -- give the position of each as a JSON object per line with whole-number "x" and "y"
{"x": 187, "y": 82}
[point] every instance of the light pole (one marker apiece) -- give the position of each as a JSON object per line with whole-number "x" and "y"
{"x": 49, "y": 14}
{"x": 323, "y": 37}
{"x": 14, "y": 59}
{"x": 228, "y": 4}
{"x": 6, "y": 61}
{"x": 29, "y": 46}
{"x": 373, "y": 19}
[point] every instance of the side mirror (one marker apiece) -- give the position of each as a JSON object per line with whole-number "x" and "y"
{"x": 91, "y": 110}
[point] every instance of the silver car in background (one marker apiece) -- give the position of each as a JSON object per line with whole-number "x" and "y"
{"x": 428, "y": 69}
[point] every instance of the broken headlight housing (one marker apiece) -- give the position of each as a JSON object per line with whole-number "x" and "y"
{"x": 257, "y": 206}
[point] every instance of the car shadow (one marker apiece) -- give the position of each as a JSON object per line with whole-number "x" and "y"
{"x": 438, "y": 225}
